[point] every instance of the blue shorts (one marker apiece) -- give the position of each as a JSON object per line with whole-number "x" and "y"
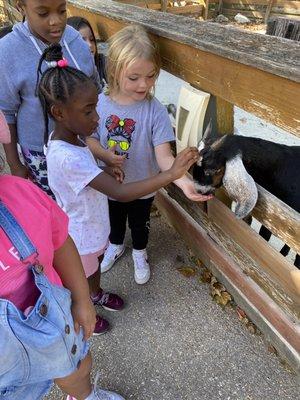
{"x": 40, "y": 347}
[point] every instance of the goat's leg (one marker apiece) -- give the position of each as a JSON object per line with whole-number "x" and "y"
{"x": 285, "y": 250}
{"x": 297, "y": 261}
{"x": 265, "y": 233}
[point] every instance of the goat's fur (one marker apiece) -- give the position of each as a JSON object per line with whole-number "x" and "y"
{"x": 273, "y": 166}
{"x": 231, "y": 160}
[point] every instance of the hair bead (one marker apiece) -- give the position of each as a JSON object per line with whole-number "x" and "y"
{"x": 52, "y": 64}
{"x": 62, "y": 63}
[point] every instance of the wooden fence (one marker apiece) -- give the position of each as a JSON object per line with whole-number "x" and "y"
{"x": 256, "y": 10}
{"x": 190, "y": 7}
{"x": 260, "y": 74}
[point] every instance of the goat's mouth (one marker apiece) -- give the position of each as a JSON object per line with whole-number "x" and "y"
{"x": 204, "y": 189}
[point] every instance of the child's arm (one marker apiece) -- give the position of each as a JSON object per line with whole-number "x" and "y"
{"x": 68, "y": 265}
{"x": 131, "y": 191}
{"x": 165, "y": 158}
{"x": 107, "y": 156}
{"x": 12, "y": 156}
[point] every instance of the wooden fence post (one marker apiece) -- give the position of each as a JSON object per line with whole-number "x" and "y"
{"x": 268, "y": 10}
{"x": 164, "y": 4}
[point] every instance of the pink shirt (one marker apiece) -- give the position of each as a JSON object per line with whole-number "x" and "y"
{"x": 47, "y": 227}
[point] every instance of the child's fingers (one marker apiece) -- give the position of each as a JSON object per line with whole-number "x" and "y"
{"x": 112, "y": 149}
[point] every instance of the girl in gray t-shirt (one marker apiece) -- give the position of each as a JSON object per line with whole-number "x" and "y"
{"x": 137, "y": 126}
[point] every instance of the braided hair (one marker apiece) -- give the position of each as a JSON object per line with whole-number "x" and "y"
{"x": 57, "y": 83}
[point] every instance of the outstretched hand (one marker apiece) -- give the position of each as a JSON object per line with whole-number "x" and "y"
{"x": 112, "y": 159}
{"x": 184, "y": 160}
{"x": 190, "y": 192}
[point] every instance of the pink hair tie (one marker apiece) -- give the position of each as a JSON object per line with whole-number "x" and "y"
{"x": 62, "y": 63}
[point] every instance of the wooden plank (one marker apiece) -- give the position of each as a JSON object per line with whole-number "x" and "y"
{"x": 135, "y": 2}
{"x": 192, "y": 9}
{"x": 234, "y": 69}
{"x": 282, "y": 220}
{"x": 233, "y": 9}
{"x": 149, "y": 6}
{"x": 225, "y": 116}
{"x": 249, "y": 267}
{"x": 164, "y": 5}
{"x": 250, "y": 14}
{"x": 260, "y": 251}
{"x": 284, "y": 3}
{"x": 267, "y": 315}
{"x": 206, "y": 9}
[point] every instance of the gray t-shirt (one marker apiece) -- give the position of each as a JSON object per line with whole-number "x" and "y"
{"x": 136, "y": 129}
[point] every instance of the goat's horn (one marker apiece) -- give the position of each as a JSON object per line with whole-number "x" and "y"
{"x": 240, "y": 186}
{"x": 208, "y": 132}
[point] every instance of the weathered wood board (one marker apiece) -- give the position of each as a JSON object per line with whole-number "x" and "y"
{"x": 252, "y": 71}
{"x": 283, "y": 331}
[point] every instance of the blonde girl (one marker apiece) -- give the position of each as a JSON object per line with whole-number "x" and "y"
{"x": 134, "y": 121}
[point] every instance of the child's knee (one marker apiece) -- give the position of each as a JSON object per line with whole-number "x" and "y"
{"x": 82, "y": 373}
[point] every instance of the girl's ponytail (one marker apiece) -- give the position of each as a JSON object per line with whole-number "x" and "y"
{"x": 57, "y": 83}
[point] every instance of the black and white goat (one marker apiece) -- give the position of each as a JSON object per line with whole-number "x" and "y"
{"x": 237, "y": 162}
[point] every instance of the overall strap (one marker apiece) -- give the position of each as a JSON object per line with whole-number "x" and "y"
{"x": 15, "y": 233}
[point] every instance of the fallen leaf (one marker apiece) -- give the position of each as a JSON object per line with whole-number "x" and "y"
{"x": 241, "y": 313}
{"x": 251, "y": 328}
{"x": 271, "y": 349}
{"x": 200, "y": 263}
{"x": 217, "y": 288}
{"x": 187, "y": 271}
{"x": 193, "y": 259}
{"x": 206, "y": 276}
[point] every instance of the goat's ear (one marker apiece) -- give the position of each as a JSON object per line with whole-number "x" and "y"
{"x": 240, "y": 186}
{"x": 209, "y": 136}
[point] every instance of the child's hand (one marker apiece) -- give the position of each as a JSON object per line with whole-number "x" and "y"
{"x": 189, "y": 190}
{"x": 112, "y": 159}
{"x": 183, "y": 162}
{"x": 116, "y": 173}
{"x": 84, "y": 315}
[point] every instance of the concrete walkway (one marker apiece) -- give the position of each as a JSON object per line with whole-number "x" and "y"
{"x": 172, "y": 342}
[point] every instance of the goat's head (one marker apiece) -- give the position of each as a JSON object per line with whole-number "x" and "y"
{"x": 209, "y": 171}
{"x": 215, "y": 168}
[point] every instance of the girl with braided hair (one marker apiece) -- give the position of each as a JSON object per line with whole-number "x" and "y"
{"x": 79, "y": 185}
{"x": 46, "y": 315}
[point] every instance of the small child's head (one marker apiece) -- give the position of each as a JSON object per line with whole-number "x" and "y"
{"x": 83, "y": 26}
{"x": 46, "y": 18}
{"x": 68, "y": 95}
{"x": 133, "y": 63}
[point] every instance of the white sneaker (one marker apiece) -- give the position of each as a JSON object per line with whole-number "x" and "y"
{"x": 141, "y": 266}
{"x": 112, "y": 253}
{"x": 99, "y": 394}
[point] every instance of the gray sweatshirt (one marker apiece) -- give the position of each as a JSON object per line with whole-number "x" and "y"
{"x": 20, "y": 53}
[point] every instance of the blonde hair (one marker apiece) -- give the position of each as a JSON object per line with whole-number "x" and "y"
{"x": 125, "y": 47}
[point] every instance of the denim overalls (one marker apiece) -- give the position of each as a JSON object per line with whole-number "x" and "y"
{"x": 41, "y": 346}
